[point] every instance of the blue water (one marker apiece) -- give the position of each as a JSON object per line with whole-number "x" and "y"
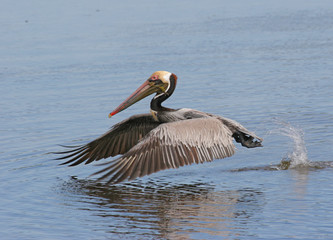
{"x": 65, "y": 65}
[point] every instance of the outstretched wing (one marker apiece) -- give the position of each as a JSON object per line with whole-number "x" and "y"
{"x": 121, "y": 137}
{"x": 241, "y": 134}
{"x": 171, "y": 145}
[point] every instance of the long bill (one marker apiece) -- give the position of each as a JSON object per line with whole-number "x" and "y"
{"x": 143, "y": 91}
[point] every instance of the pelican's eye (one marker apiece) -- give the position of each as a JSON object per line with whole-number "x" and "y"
{"x": 153, "y": 78}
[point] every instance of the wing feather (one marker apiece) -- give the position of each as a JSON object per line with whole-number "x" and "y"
{"x": 171, "y": 145}
{"x": 120, "y": 139}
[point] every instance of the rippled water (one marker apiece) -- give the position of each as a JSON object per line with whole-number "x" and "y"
{"x": 65, "y": 65}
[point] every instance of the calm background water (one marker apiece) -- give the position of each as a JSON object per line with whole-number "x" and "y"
{"x": 66, "y": 64}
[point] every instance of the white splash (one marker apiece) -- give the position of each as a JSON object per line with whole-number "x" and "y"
{"x": 299, "y": 156}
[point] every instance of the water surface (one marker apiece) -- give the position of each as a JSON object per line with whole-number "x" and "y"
{"x": 64, "y": 66}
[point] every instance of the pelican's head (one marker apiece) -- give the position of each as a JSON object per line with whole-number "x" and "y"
{"x": 159, "y": 82}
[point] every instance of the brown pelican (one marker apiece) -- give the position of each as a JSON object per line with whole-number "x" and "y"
{"x": 165, "y": 138}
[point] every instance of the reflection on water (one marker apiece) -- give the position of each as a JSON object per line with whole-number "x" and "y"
{"x": 164, "y": 210}
{"x": 300, "y": 181}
